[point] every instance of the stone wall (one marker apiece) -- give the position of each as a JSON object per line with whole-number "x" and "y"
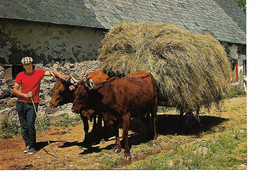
{"x": 62, "y": 48}
{"x": 8, "y": 100}
{"x": 47, "y": 42}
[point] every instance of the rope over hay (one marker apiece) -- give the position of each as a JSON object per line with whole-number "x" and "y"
{"x": 191, "y": 70}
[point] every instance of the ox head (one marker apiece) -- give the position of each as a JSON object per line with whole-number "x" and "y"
{"x": 64, "y": 91}
{"x": 81, "y": 100}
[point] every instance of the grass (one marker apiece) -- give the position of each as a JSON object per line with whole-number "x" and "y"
{"x": 164, "y": 109}
{"x": 198, "y": 155}
{"x": 221, "y": 151}
{"x": 68, "y": 121}
{"x": 45, "y": 123}
{"x": 10, "y": 129}
{"x": 235, "y": 92}
{"x": 222, "y": 147}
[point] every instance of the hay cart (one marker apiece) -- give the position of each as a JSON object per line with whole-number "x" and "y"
{"x": 191, "y": 70}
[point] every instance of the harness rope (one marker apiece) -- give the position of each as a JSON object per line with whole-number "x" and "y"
{"x": 42, "y": 129}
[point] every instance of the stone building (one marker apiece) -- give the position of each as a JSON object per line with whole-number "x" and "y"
{"x": 66, "y": 33}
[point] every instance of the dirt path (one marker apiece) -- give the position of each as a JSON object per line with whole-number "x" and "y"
{"x": 66, "y": 142}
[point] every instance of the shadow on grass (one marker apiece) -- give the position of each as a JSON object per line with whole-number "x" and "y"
{"x": 166, "y": 125}
{"x": 172, "y": 124}
{"x": 42, "y": 145}
{"x": 88, "y": 149}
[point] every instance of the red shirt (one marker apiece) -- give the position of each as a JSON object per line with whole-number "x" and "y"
{"x": 30, "y": 83}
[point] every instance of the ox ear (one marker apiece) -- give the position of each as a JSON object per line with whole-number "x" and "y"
{"x": 91, "y": 84}
{"x": 72, "y": 87}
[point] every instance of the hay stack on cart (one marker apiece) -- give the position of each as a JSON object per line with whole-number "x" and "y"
{"x": 191, "y": 70}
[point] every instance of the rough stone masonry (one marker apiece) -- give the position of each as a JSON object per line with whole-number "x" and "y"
{"x": 8, "y": 100}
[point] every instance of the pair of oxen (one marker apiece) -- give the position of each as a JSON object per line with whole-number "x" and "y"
{"x": 113, "y": 99}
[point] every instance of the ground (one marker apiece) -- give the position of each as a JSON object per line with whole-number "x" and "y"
{"x": 72, "y": 155}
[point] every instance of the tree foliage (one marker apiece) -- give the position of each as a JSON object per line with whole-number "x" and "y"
{"x": 241, "y": 4}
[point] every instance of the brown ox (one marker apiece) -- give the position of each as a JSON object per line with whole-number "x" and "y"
{"x": 118, "y": 99}
{"x": 63, "y": 94}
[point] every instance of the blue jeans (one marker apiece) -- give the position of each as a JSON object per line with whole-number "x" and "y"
{"x": 27, "y": 118}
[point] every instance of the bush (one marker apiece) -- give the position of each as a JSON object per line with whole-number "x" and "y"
{"x": 67, "y": 121}
{"x": 45, "y": 122}
{"x": 8, "y": 129}
{"x": 164, "y": 109}
{"x": 235, "y": 92}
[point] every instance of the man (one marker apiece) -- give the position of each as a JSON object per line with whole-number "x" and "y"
{"x": 29, "y": 83}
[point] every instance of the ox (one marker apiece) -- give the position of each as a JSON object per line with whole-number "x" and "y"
{"x": 64, "y": 92}
{"x": 118, "y": 99}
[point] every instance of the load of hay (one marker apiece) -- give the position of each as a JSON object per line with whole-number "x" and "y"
{"x": 191, "y": 70}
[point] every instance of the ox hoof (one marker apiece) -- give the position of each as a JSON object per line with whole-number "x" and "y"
{"x": 102, "y": 141}
{"x": 128, "y": 158}
{"x": 117, "y": 150}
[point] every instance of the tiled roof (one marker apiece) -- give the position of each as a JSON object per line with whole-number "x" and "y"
{"x": 222, "y": 18}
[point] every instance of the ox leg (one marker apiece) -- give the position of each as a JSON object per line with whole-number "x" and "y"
{"x": 189, "y": 119}
{"x": 116, "y": 133}
{"x": 126, "y": 122}
{"x": 154, "y": 118}
{"x": 181, "y": 118}
{"x": 94, "y": 129}
{"x": 86, "y": 127}
{"x": 97, "y": 129}
{"x": 99, "y": 123}
{"x": 100, "y": 130}
{"x": 147, "y": 122}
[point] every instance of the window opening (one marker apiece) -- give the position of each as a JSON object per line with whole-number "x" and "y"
{"x": 244, "y": 66}
{"x": 16, "y": 69}
{"x": 11, "y": 71}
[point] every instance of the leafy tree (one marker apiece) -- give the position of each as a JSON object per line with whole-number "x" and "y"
{"x": 241, "y": 4}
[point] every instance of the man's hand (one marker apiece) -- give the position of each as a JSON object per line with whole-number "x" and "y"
{"x": 56, "y": 74}
{"x": 63, "y": 77}
{"x": 28, "y": 95}
{"x": 19, "y": 93}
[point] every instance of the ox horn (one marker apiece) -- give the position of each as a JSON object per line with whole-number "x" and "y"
{"x": 83, "y": 74}
{"x": 76, "y": 81}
